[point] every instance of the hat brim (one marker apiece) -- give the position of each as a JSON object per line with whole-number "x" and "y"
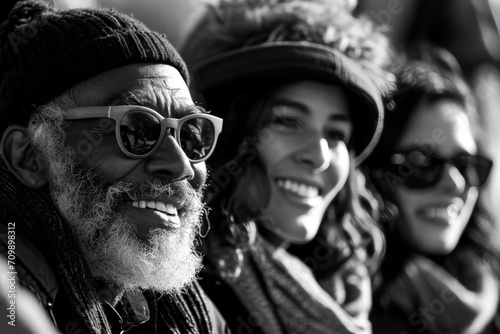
{"x": 298, "y": 61}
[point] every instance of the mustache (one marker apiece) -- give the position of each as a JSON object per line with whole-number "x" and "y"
{"x": 180, "y": 191}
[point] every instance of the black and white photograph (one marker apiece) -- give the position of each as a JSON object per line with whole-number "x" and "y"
{"x": 250, "y": 166}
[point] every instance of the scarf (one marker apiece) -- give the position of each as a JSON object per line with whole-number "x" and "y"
{"x": 36, "y": 218}
{"x": 282, "y": 294}
{"x": 459, "y": 299}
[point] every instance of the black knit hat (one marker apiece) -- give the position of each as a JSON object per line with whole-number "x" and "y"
{"x": 44, "y": 51}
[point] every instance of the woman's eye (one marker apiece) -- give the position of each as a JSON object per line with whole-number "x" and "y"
{"x": 290, "y": 123}
{"x": 337, "y": 136}
{"x": 419, "y": 159}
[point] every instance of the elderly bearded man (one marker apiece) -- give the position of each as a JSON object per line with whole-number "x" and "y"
{"x": 102, "y": 169}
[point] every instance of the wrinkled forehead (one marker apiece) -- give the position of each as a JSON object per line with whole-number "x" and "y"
{"x": 157, "y": 86}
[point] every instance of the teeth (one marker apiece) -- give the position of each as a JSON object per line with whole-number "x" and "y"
{"x": 172, "y": 221}
{"x": 442, "y": 213}
{"x": 452, "y": 210}
{"x": 159, "y": 206}
{"x": 297, "y": 188}
{"x": 170, "y": 209}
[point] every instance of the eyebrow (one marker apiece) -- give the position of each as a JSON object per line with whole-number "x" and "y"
{"x": 305, "y": 110}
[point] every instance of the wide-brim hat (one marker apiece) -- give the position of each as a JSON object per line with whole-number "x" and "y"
{"x": 221, "y": 76}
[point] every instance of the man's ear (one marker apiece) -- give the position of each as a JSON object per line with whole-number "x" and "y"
{"x": 22, "y": 159}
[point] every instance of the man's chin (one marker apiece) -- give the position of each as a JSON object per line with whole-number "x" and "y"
{"x": 137, "y": 255}
{"x": 166, "y": 262}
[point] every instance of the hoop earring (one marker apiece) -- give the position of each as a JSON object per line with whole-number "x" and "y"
{"x": 388, "y": 216}
{"x": 207, "y": 220}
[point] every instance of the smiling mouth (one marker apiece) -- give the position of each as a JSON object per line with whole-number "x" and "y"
{"x": 166, "y": 211}
{"x": 298, "y": 188}
{"x": 447, "y": 213}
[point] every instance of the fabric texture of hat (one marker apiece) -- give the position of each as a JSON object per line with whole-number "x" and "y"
{"x": 294, "y": 61}
{"x": 44, "y": 51}
{"x": 237, "y": 45}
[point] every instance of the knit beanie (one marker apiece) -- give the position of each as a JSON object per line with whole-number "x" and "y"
{"x": 44, "y": 51}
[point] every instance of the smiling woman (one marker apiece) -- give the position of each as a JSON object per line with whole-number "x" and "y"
{"x": 307, "y": 161}
{"x": 440, "y": 274}
{"x": 300, "y": 87}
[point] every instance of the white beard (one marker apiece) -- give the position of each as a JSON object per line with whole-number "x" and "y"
{"x": 166, "y": 262}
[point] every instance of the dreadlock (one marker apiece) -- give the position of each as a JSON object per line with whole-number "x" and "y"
{"x": 37, "y": 219}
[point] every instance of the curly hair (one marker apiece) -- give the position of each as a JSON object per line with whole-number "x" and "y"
{"x": 235, "y": 24}
{"x": 350, "y": 223}
{"x": 433, "y": 75}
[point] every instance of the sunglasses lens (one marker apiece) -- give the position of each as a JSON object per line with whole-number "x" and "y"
{"x": 140, "y": 132}
{"x": 420, "y": 170}
{"x": 197, "y": 138}
{"x": 475, "y": 169}
{"x": 417, "y": 169}
{"x": 423, "y": 177}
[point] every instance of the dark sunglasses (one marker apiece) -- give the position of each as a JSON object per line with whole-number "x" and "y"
{"x": 421, "y": 170}
{"x": 140, "y": 130}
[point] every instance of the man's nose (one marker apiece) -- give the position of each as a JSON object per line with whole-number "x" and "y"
{"x": 170, "y": 162}
{"x": 315, "y": 153}
{"x": 453, "y": 180}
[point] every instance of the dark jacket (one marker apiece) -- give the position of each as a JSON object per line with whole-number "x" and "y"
{"x": 35, "y": 273}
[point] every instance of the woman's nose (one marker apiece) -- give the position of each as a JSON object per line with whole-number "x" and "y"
{"x": 452, "y": 180}
{"x": 315, "y": 153}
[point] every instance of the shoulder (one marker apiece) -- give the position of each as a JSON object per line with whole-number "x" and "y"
{"x": 219, "y": 325}
{"x": 226, "y": 302}
{"x": 30, "y": 265}
{"x": 25, "y": 314}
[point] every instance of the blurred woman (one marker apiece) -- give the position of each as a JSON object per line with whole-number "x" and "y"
{"x": 440, "y": 274}
{"x": 300, "y": 88}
